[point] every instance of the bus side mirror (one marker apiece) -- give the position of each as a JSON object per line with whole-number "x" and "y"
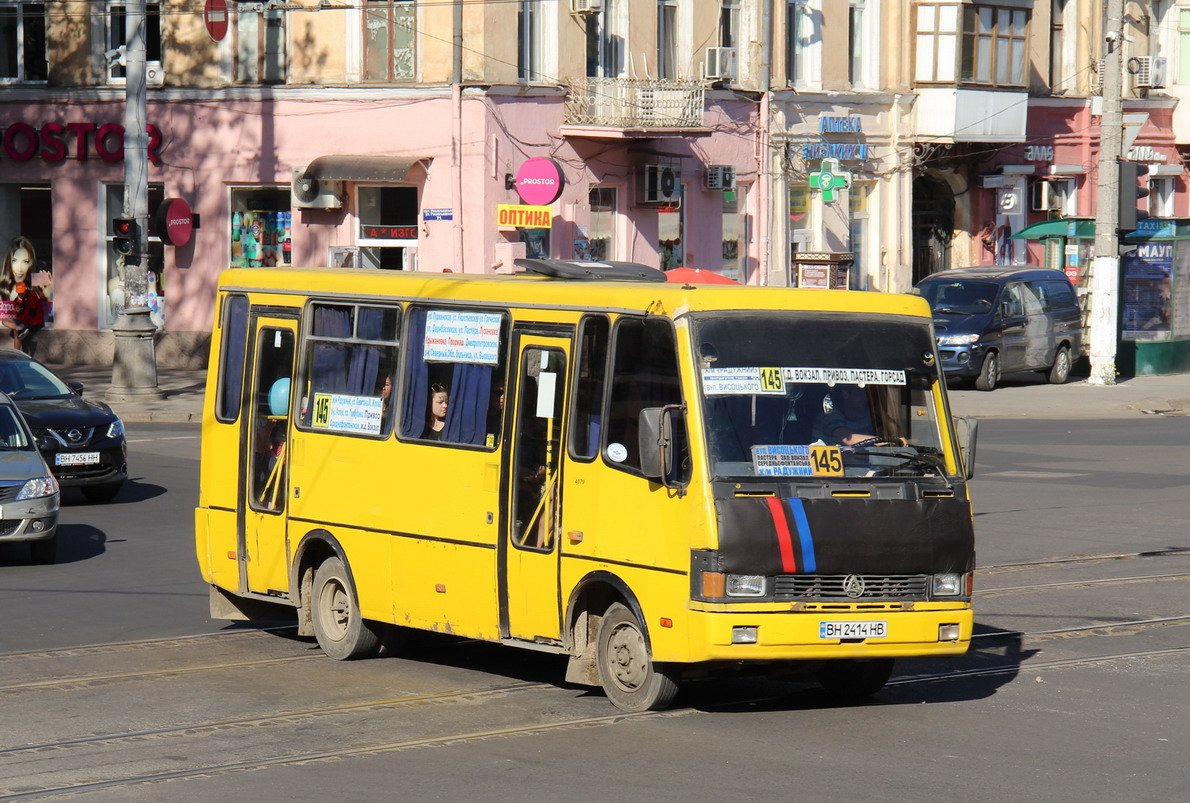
{"x": 966, "y": 430}
{"x": 656, "y": 443}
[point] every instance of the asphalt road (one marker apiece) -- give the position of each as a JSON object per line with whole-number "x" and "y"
{"x": 1074, "y": 687}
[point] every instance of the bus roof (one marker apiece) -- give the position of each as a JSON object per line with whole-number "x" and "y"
{"x": 523, "y": 290}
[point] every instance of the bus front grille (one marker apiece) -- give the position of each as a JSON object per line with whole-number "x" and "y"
{"x": 845, "y": 586}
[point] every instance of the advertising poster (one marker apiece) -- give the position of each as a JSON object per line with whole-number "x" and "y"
{"x": 1147, "y": 282}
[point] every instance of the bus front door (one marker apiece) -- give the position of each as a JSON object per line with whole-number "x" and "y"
{"x": 529, "y": 604}
{"x": 264, "y": 457}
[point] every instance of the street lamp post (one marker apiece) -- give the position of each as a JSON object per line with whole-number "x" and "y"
{"x": 134, "y": 363}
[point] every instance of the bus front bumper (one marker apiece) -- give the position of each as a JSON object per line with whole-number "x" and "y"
{"x": 786, "y": 635}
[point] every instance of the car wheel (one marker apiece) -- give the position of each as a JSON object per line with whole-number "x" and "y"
{"x": 341, "y": 631}
{"x": 628, "y": 674}
{"x": 101, "y": 493}
{"x": 1060, "y": 371}
{"x": 44, "y": 551}
{"x": 989, "y": 375}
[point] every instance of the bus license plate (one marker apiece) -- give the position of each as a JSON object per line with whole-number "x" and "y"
{"x": 849, "y": 630}
{"x": 76, "y": 458}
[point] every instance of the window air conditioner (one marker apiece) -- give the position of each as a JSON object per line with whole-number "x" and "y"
{"x": 720, "y": 177}
{"x": 1148, "y": 72}
{"x": 586, "y": 6}
{"x": 663, "y": 184}
{"x": 310, "y": 193}
{"x": 720, "y": 63}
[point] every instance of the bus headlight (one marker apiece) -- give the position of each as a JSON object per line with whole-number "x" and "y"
{"x": 745, "y": 585}
{"x": 948, "y": 585}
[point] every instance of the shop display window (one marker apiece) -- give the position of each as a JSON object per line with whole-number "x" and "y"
{"x": 261, "y": 227}
{"x": 28, "y": 213}
{"x": 732, "y": 256}
{"x": 598, "y": 242}
{"x": 671, "y": 244}
{"x": 114, "y": 297}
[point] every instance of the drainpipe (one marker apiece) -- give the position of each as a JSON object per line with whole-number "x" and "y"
{"x": 764, "y": 173}
{"x": 456, "y": 97}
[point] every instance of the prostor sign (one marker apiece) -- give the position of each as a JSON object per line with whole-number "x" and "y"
{"x": 56, "y": 142}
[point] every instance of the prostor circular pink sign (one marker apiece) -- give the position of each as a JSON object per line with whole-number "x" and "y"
{"x": 539, "y": 181}
{"x": 175, "y": 221}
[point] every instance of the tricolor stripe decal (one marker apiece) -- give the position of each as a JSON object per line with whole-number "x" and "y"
{"x": 798, "y": 508}
{"x": 784, "y": 540}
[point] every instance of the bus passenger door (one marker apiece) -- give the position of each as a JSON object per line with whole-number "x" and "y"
{"x": 264, "y": 458}
{"x": 529, "y": 605}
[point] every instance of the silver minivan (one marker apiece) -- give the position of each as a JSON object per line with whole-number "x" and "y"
{"x": 28, "y": 491}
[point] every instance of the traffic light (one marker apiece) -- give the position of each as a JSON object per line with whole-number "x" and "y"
{"x": 124, "y": 229}
{"x": 1130, "y": 192}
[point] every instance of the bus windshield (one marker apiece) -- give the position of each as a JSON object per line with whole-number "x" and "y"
{"x": 816, "y": 395}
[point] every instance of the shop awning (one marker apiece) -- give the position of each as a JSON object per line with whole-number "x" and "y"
{"x": 349, "y": 167}
{"x": 1075, "y": 228}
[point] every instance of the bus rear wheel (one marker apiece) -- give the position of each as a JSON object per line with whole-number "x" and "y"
{"x": 855, "y": 680}
{"x": 630, "y": 678}
{"x": 342, "y": 632}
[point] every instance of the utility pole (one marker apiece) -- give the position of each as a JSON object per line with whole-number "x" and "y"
{"x": 134, "y": 363}
{"x": 1105, "y": 283}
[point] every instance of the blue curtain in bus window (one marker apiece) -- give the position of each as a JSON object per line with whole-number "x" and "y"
{"x": 413, "y": 415}
{"x": 364, "y": 368}
{"x": 326, "y": 369}
{"x": 467, "y": 414}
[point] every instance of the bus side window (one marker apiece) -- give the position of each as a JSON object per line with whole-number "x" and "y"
{"x": 588, "y": 397}
{"x": 644, "y": 374}
{"x": 231, "y": 362}
{"x": 473, "y": 382}
{"x": 351, "y": 353}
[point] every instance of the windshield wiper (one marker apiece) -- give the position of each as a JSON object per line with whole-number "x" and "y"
{"x": 913, "y": 459}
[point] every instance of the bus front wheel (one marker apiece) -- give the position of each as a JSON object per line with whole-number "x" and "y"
{"x": 855, "y": 679}
{"x": 341, "y": 632}
{"x": 630, "y": 678}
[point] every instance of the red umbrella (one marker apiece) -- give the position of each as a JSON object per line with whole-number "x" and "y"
{"x": 696, "y": 276}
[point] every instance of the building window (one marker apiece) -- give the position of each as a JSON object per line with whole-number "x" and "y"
{"x": 600, "y": 243}
{"x": 936, "y": 44}
{"x": 260, "y": 44}
{"x": 1161, "y": 194}
{"x": 531, "y": 40}
{"x": 605, "y": 43}
{"x": 857, "y": 201}
{"x": 22, "y": 42}
{"x": 732, "y": 242}
{"x": 729, "y": 24}
{"x": 667, "y": 39}
{"x": 671, "y": 240}
{"x": 991, "y": 51}
{"x": 117, "y": 36}
{"x": 388, "y": 227}
{"x": 1184, "y": 45}
{"x": 803, "y": 38}
{"x": 1058, "y": 71}
{"x": 388, "y": 40}
{"x": 857, "y": 44}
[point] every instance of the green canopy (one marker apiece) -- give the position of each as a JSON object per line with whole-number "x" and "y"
{"x": 1072, "y": 227}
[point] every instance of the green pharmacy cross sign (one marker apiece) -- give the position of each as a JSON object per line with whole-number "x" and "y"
{"x": 829, "y": 178}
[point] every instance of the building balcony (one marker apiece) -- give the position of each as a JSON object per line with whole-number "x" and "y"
{"x": 625, "y": 107}
{"x": 952, "y": 114}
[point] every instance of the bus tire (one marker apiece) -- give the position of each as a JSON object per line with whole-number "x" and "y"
{"x": 341, "y": 632}
{"x": 629, "y": 676}
{"x": 854, "y": 679}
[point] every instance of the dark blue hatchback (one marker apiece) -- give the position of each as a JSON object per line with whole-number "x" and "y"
{"x": 999, "y": 319}
{"x": 81, "y": 440}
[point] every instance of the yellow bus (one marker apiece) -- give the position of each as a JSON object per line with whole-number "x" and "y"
{"x": 656, "y": 479}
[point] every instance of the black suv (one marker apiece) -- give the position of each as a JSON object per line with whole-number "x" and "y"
{"x": 82, "y": 441}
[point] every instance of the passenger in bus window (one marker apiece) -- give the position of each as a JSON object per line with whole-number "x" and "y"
{"x": 436, "y": 417}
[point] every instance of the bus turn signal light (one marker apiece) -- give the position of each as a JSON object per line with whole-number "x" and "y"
{"x": 714, "y": 585}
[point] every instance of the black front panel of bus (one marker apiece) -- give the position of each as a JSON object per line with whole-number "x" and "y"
{"x": 773, "y": 535}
